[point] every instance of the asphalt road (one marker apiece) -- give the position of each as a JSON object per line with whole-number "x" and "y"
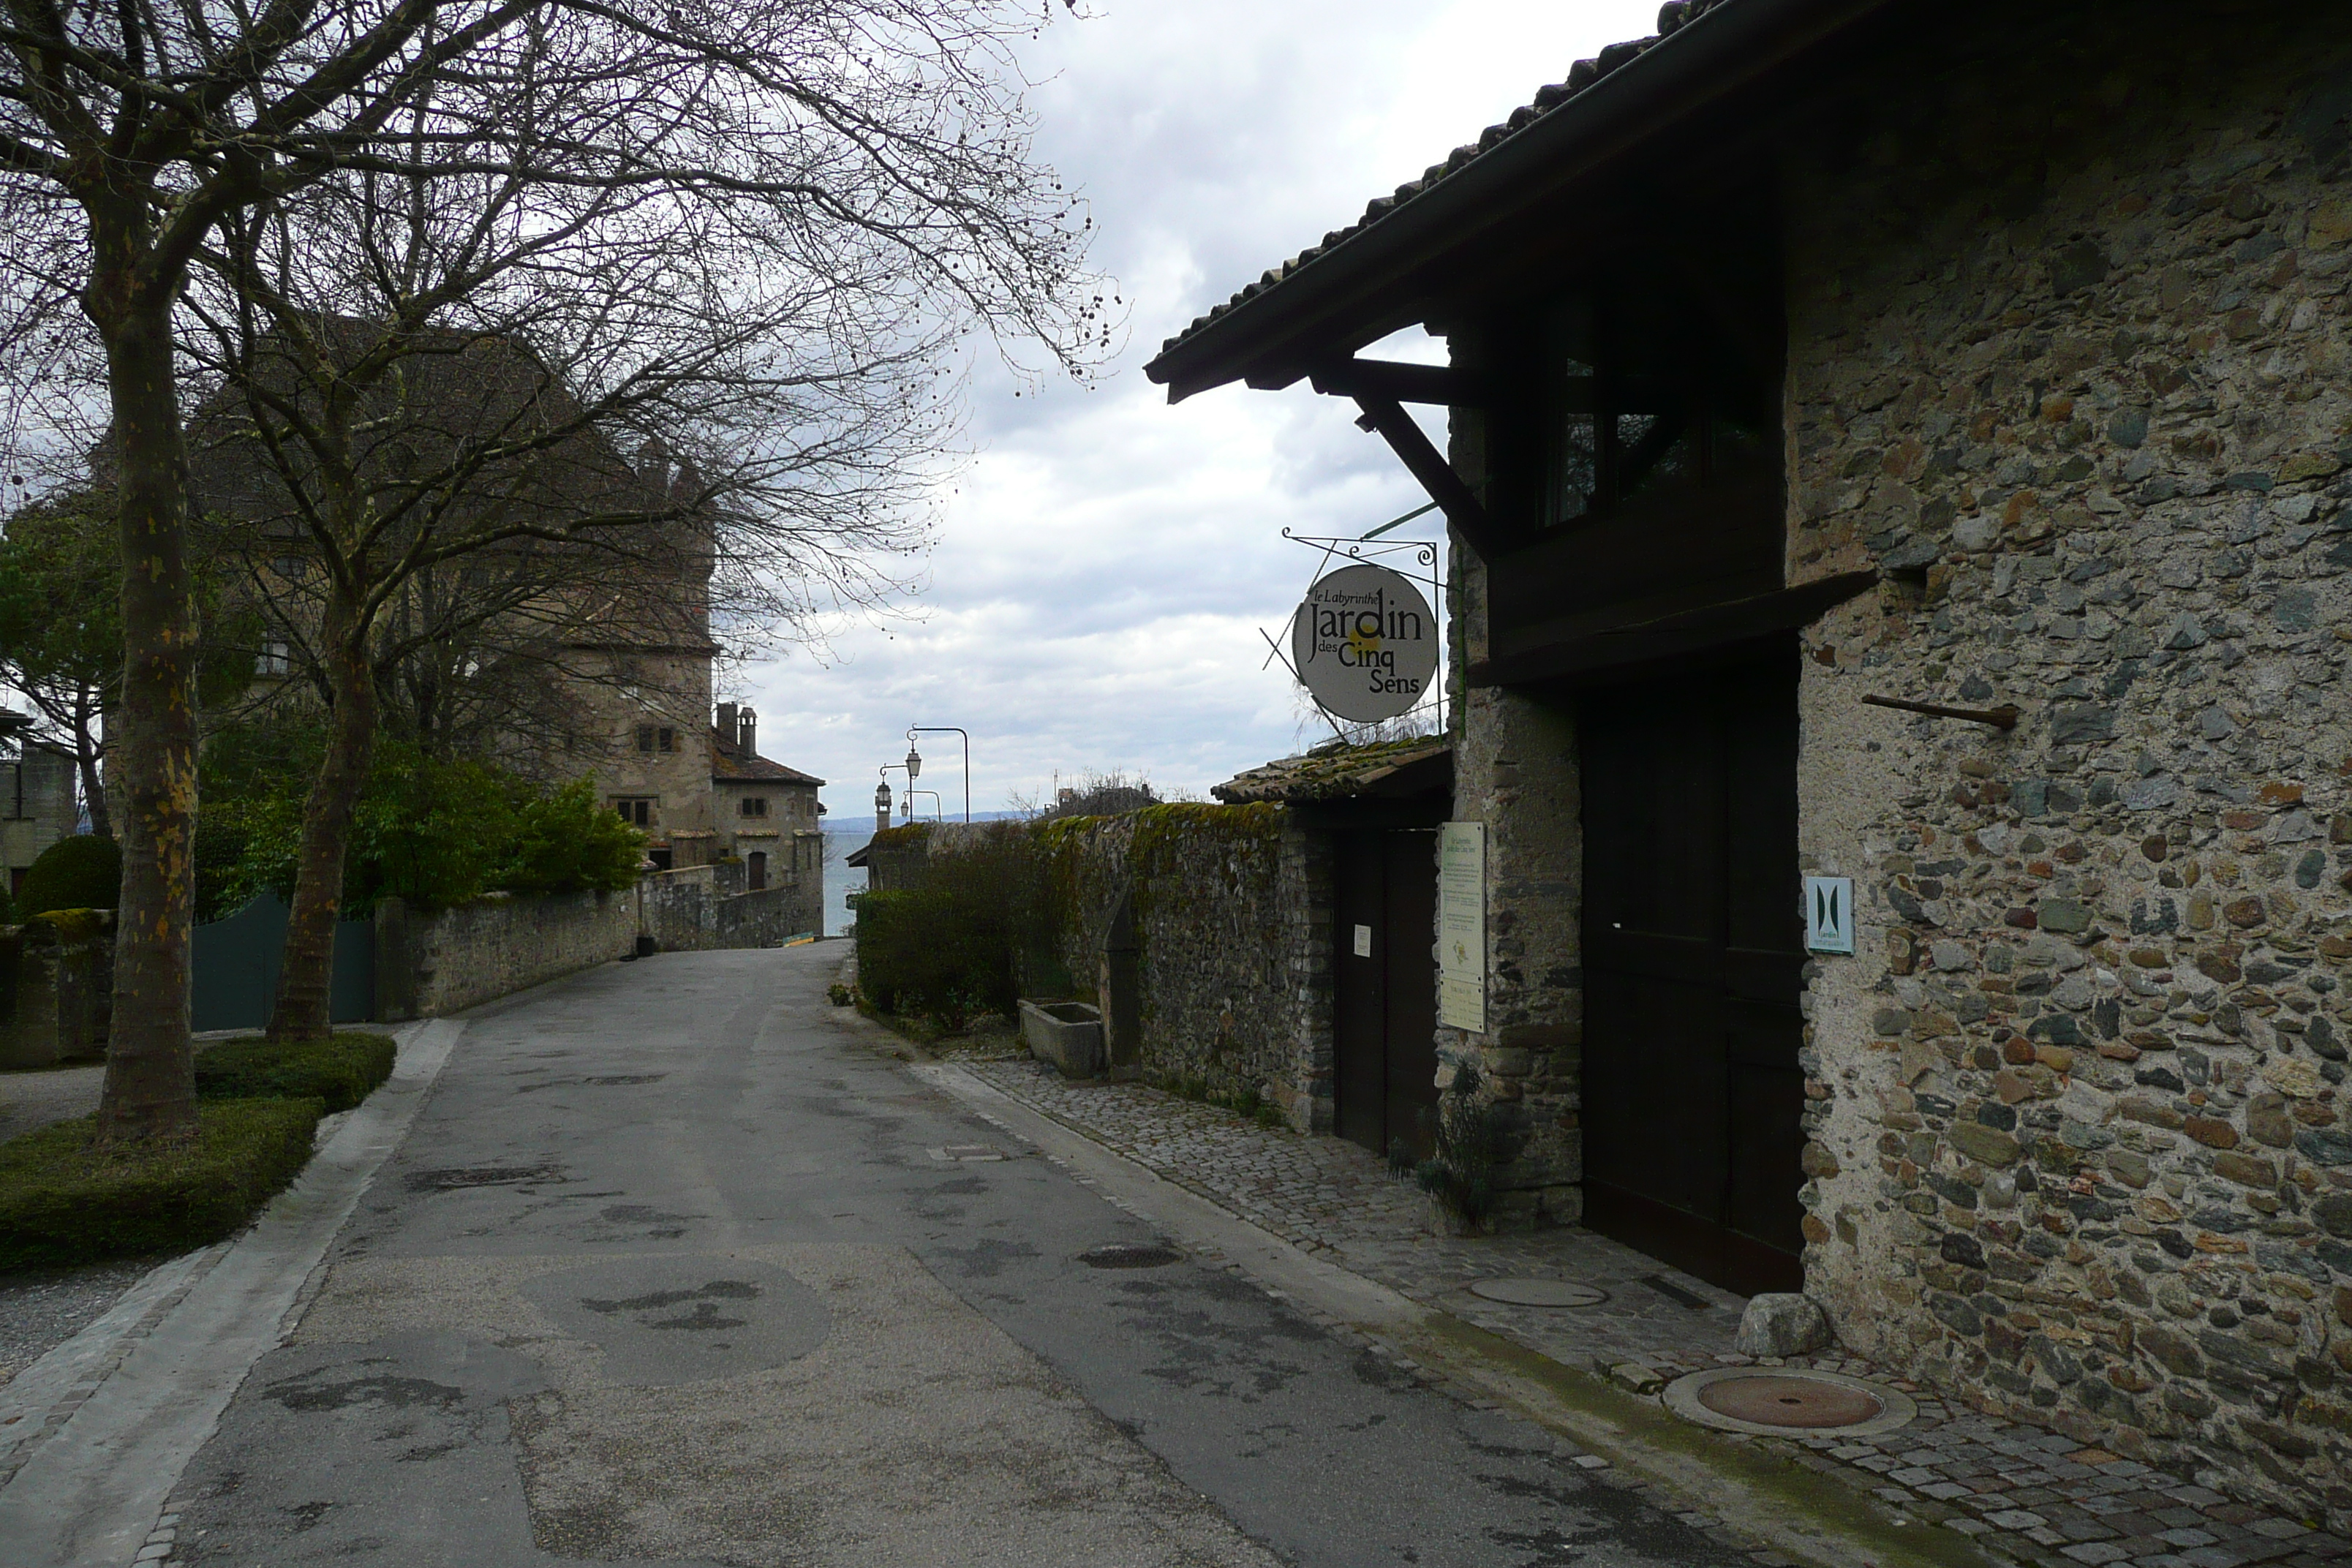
{"x": 673, "y": 1267}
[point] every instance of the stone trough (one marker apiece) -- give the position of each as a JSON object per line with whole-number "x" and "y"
{"x": 1068, "y": 1034}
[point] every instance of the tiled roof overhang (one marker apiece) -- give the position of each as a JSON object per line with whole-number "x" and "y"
{"x": 1391, "y": 770}
{"x": 1365, "y": 281}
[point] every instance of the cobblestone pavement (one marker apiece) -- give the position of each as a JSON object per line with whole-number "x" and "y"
{"x": 2022, "y": 1491}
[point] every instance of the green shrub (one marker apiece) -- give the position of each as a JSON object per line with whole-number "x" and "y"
{"x": 63, "y": 1202}
{"x": 1460, "y": 1174}
{"x": 567, "y": 842}
{"x": 339, "y": 1072}
{"x": 431, "y": 831}
{"x": 936, "y": 950}
{"x": 84, "y": 872}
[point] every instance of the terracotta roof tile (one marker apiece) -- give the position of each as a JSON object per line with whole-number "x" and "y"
{"x": 731, "y": 763}
{"x": 1340, "y": 773}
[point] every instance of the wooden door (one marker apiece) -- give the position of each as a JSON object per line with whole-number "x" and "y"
{"x": 1384, "y": 1014}
{"x": 1693, "y": 945}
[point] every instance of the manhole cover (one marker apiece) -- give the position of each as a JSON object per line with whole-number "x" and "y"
{"x": 966, "y": 1155}
{"x": 1539, "y": 1292}
{"x": 1129, "y": 1256}
{"x": 1769, "y": 1400}
{"x": 1788, "y": 1402}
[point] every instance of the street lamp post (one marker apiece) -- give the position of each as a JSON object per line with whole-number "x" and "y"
{"x": 915, "y": 762}
{"x": 882, "y": 798}
{"x": 911, "y": 793}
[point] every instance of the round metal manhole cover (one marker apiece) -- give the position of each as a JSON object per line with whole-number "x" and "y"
{"x": 1129, "y": 1256}
{"x": 1765, "y": 1401}
{"x": 1788, "y": 1402}
{"x": 1539, "y": 1292}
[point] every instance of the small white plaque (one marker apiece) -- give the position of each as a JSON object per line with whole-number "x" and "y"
{"x": 1462, "y": 926}
{"x": 1829, "y": 914}
{"x": 1363, "y": 941}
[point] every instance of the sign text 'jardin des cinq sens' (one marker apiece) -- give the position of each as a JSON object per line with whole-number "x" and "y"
{"x": 1365, "y": 644}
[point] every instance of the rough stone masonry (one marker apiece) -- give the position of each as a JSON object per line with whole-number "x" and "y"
{"x": 2070, "y": 358}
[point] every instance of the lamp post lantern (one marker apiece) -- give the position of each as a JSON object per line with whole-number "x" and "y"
{"x": 914, "y": 761}
{"x": 882, "y": 798}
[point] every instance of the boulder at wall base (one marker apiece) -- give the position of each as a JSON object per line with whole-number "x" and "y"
{"x": 1781, "y": 1324}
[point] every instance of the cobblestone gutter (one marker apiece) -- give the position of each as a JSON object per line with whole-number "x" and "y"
{"x": 2018, "y": 1490}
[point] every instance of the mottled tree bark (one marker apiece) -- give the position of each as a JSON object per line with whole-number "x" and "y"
{"x": 150, "y": 1088}
{"x": 307, "y": 969}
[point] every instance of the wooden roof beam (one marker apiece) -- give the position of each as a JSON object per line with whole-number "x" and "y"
{"x": 1396, "y": 382}
{"x": 1461, "y": 509}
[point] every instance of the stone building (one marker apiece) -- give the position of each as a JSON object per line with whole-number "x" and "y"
{"x": 574, "y": 638}
{"x": 1818, "y": 356}
{"x": 765, "y": 812}
{"x": 38, "y": 801}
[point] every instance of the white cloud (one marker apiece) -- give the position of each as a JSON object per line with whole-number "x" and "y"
{"x": 1106, "y": 560}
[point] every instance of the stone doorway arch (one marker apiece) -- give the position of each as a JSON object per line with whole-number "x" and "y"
{"x": 1120, "y": 990}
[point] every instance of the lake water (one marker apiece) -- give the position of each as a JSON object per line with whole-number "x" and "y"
{"x": 841, "y": 878}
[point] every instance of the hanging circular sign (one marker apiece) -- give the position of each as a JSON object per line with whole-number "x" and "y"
{"x": 1365, "y": 644}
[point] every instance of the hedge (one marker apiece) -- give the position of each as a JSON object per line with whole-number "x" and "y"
{"x": 62, "y": 1202}
{"x": 933, "y": 952}
{"x": 83, "y": 873}
{"x": 338, "y": 1071}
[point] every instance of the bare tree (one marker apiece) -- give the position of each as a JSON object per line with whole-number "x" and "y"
{"x": 135, "y": 139}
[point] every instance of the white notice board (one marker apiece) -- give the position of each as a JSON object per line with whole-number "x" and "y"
{"x": 1462, "y": 926}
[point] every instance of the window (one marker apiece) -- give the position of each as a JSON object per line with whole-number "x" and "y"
{"x": 1642, "y": 391}
{"x": 275, "y": 659}
{"x": 754, "y": 805}
{"x": 637, "y": 812}
{"x": 669, "y": 741}
{"x": 653, "y": 738}
{"x": 644, "y": 737}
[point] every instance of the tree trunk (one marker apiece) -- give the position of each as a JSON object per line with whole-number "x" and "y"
{"x": 88, "y": 716}
{"x": 150, "y": 1090}
{"x": 305, "y": 972}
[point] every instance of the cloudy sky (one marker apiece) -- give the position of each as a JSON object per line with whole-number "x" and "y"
{"x": 1105, "y": 562}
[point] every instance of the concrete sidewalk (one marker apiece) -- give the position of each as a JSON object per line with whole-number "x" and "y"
{"x": 2019, "y": 1492}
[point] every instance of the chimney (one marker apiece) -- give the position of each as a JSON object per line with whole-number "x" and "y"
{"x": 726, "y": 724}
{"x": 748, "y": 734}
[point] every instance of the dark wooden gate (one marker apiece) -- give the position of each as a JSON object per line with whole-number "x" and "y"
{"x": 1693, "y": 945}
{"x": 1384, "y": 1020}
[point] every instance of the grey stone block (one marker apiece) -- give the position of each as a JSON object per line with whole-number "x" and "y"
{"x": 1781, "y": 1325}
{"x": 1068, "y": 1034}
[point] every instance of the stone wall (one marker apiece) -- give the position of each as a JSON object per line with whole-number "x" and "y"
{"x": 428, "y": 966}
{"x": 1208, "y": 926}
{"x": 57, "y": 988}
{"x": 707, "y": 907}
{"x": 1515, "y": 770}
{"x": 1228, "y": 908}
{"x": 2069, "y": 356}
